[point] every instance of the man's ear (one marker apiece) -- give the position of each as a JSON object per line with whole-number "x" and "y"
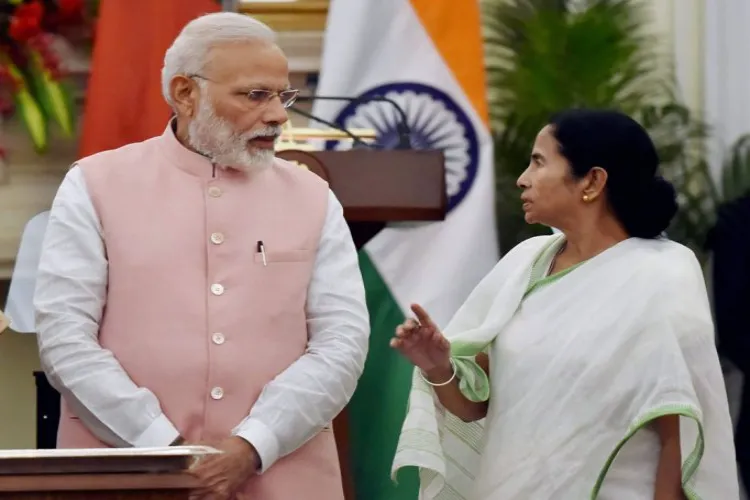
{"x": 184, "y": 92}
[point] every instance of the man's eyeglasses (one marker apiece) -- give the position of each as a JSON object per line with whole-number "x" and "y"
{"x": 261, "y": 97}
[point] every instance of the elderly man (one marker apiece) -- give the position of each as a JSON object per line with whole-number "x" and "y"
{"x": 194, "y": 288}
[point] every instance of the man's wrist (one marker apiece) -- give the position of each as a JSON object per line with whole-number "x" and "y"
{"x": 251, "y": 453}
{"x": 262, "y": 439}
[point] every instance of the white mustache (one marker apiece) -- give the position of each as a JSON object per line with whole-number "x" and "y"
{"x": 274, "y": 132}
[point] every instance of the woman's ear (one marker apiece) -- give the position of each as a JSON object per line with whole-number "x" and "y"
{"x": 595, "y": 183}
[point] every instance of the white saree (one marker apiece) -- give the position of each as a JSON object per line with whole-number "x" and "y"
{"x": 578, "y": 369}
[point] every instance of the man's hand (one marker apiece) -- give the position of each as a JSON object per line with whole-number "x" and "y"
{"x": 222, "y": 475}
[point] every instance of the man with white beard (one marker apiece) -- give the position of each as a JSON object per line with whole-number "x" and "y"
{"x": 235, "y": 312}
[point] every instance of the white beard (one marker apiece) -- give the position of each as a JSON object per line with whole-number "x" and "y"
{"x": 216, "y": 139}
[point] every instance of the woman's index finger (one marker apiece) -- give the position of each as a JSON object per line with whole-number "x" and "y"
{"x": 422, "y": 316}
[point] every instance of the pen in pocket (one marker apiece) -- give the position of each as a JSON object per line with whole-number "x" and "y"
{"x": 262, "y": 252}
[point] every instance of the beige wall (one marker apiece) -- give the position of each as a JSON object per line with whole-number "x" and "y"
{"x": 18, "y": 360}
{"x": 31, "y": 185}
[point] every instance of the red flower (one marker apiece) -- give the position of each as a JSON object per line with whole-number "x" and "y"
{"x": 26, "y": 21}
{"x": 31, "y": 10}
{"x": 21, "y": 29}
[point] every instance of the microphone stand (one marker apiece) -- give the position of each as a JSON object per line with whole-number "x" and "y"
{"x": 356, "y": 140}
{"x": 402, "y": 127}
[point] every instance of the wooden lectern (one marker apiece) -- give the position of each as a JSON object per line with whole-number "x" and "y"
{"x": 375, "y": 187}
{"x": 99, "y": 474}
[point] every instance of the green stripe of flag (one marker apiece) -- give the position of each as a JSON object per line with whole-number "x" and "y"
{"x": 378, "y": 406}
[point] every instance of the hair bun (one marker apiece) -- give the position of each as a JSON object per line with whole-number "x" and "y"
{"x": 651, "y": 214}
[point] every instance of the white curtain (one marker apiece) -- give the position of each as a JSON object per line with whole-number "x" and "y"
{"x": 726, "y": 74}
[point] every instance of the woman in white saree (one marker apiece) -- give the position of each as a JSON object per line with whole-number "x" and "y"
{"x": 583, "y": 366}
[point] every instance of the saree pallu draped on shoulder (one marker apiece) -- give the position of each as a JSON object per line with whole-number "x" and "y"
{"x": 577, "y": 369}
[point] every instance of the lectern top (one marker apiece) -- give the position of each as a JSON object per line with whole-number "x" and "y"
{"x": 167, "y": 451}
{"x": 101, "y": 460}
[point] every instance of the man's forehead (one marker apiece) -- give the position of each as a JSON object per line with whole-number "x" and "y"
{"x": 258, "y": 83}
{"x": 258, "y": 61}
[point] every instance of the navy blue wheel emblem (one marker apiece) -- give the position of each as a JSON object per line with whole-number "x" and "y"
{"x": 436, "y": 122}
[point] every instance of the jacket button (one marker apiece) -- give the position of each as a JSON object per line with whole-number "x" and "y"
{"x": 217, "y": 393}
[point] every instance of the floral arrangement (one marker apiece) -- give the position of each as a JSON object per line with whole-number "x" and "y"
{"x": 32, "y": 83}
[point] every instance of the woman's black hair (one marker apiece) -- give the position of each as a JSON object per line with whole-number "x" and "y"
{"x": 642, "y": 201}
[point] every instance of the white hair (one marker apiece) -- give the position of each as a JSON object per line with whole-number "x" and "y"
{"x": 187, "y": 55}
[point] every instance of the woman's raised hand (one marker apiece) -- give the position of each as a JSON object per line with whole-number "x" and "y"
{"x": 422, "y": 343}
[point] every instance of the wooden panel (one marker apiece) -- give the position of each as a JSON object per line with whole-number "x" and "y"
{"x": 299, "y": 15}
{"x": 378, "y": 185}
{"x": 97, "y": 486}
{"x": 100, "y": 495}
{"x": 99, "y": 482}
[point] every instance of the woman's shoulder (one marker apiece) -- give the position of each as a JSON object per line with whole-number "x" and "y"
{"x": 674, "y": 275}
{"x": 520, "y": 256}
{"x": 664, "y": 257}
{"x": 532, "y": 245}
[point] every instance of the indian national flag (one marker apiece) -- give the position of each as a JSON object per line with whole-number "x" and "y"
{"x": 427, "y": 56}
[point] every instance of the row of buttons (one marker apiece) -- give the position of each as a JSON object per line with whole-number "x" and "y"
{"x": 218, "y": 339}
{"x": 217, "y": 392}
{"x": 216, "y": 239}
{"x": 217, "y": 289}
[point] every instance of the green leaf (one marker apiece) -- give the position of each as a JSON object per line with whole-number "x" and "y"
{"x": 29, "y": 110}
{"x": 53, "y": 95}
{"x": 33, "y": 118}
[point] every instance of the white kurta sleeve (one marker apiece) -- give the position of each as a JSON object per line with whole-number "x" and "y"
{"x": 70, "y": 294}
{"x": 305, "y": 398}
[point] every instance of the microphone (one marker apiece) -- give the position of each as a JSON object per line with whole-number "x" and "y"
{"x": 356, "y": 140}
{"x": 402, "y": 127}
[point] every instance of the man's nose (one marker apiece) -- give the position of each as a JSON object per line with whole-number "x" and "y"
{"x": 275, "y": 112}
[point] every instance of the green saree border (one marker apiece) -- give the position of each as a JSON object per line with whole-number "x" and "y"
{"x": 689, "y": 465}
